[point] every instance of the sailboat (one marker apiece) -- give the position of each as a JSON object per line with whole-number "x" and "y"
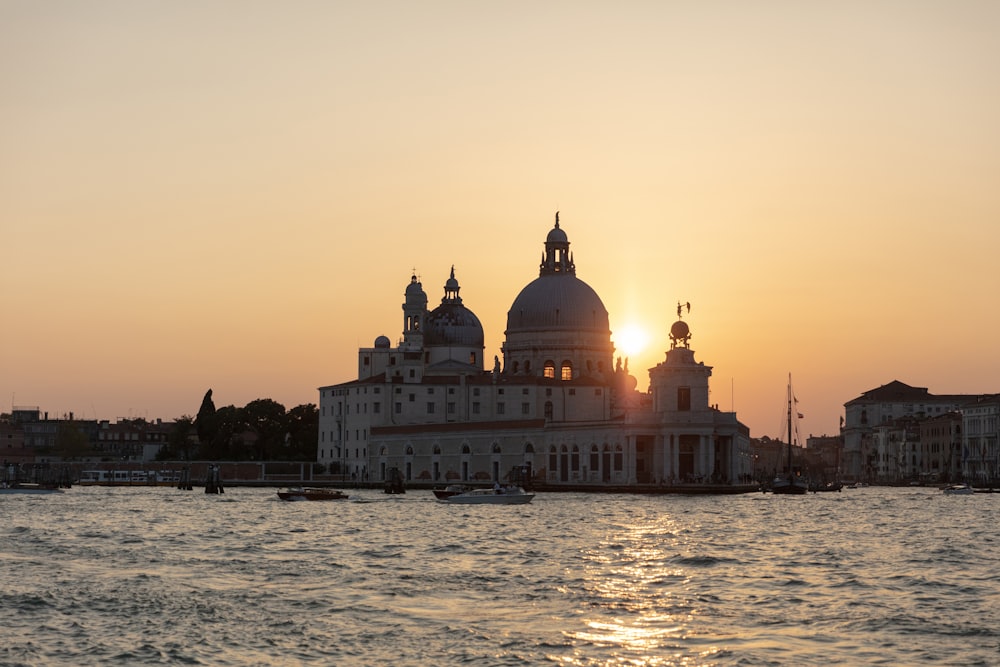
{"x": 789, "y": 483}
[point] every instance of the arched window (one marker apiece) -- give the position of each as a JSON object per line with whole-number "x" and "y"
{"x": 595, "y": 458}
{"x": 437, "y": 449}
{"x": 383, "y": 451}
{"x": 529, "y": 448}
{"x": 466, "y": 450}
{"x": 567, "y": 370}
{"x": 549, "y": 370}
{"x": 409, "y": 450}
{"x": 496, "y": 448}
{"x": 517, "y": 366}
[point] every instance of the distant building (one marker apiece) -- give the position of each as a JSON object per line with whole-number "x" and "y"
{"x": 881, "y": 407}
{"x": 941, "y": 447}
{"x": 559, "y": 405}
{"x": 980, "y": 451}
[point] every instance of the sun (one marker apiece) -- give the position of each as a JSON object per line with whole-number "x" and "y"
{"x": 631, "y": 340}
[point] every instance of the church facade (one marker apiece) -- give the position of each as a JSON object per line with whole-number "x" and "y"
{"x": 556, "y": 408}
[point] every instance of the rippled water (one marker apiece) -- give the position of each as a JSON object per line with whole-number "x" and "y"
{"x": 147, "y": 576}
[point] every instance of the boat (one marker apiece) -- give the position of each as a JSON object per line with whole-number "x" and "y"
{"x": 791, "y": 483}
{"x": 394, "y": 481}
{"x": 829, "y": 486}
{"x": 500, "y": 495}
{"x": 451, "y": 490}
{"x": 28, "y": 487}
{"x": 311, "y": 493}
{"x": 958, "y": 490}
{"x": 39, "y": 479}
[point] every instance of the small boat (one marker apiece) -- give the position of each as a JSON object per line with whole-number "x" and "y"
{"x": 394, "y": 481}
{"x": 829, "y": 486}
{"x": 958, "y": 490}
{"x": 28, "y": 487}
{"x": 451, "y": 490}
{"x": 504, "y": 495}
{"x": 311, "y": 493}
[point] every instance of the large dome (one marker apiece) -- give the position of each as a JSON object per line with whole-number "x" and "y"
{"x": 559, "y": 301}
{"x": 557, "y": 327}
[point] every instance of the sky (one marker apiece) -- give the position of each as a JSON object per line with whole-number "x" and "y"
{"x": 233, "y": 195}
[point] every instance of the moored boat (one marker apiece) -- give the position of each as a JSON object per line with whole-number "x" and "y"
{"x": 451, "y": 490}
{"x": 504, "y": 495}
{"x": 28, "y": 487}
{"x": 792, "y": 483}
{"x": 958, "y": 490}
{"x": 828, "y": 486}
{"x": 311, "y": 493}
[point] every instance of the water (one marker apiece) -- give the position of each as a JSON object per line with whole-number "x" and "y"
{"x": 161, "y": 576}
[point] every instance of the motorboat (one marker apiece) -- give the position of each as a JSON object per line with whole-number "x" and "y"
{"x": 28, "y": 487}
{"x": 451, "y": 490}
{"x": 958, "y": 490}
{"x": 311, "y": 493}
{"x": 828, "y": 486}
{"x": 502, "y": 495}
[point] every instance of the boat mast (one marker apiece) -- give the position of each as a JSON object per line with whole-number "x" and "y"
{"x": 789, "y": 425}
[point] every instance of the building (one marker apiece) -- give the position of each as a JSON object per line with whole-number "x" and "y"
{"x": 980, "y": 451}
{"x": 558, "y": 406}
{"x": 881, "y": 407}
{"x": 941, "y": 447}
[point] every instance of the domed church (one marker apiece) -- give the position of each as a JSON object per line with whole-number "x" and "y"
{"x": 558, "y": 410}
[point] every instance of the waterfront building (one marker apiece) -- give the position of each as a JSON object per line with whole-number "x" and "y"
{"x": 941, "y": 448}
{"x": 981, "y": 429}
{"x": 558, "y": 406}
{"x": 881, "y": 407}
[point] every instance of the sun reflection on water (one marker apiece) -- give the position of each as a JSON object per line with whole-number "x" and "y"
{"x": 635, "y": 599}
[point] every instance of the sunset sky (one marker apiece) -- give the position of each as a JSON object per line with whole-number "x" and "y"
{"x": 233, "y": 194}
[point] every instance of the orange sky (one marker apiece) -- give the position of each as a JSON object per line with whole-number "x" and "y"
{"x": 232, "y": 195}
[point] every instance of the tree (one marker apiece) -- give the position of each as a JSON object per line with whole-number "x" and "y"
{"x": 226, "y": 443}
{"x": 206, "y": 421}
{"x": 178, "y": 441}
{"x": 302, "y": 423}
{"x": 266, "y": 418}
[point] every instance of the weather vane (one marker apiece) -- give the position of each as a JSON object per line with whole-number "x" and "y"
{"x": 681, "y": 306}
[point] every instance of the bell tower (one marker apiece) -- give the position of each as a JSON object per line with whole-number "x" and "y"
{"x": 414, "y": 313}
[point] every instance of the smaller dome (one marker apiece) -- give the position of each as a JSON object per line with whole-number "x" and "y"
{"x": 414, "y": 288}
{"x": 453, "y": 324}
{"x": 557, "y": 235}
{"x": 382, "y": 342}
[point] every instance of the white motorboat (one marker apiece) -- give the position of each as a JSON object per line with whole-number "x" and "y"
{"x": 959, "y": 490}
{"x": 504, "y": 495}
{"x": 311, "y": 493}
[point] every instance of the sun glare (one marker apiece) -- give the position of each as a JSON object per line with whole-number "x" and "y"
{"x": 631, "y": 340}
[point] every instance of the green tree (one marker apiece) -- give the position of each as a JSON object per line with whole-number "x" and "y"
{"x": 178, "y": 447}
{"x": 207, "y": 422}
{"x": 302, "y": 426}
{"x": 226, "y": 444}
{"x": 266, "y": 418}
